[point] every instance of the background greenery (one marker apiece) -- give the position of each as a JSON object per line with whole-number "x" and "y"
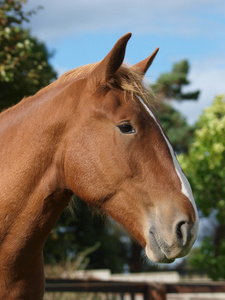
{"x": 24, "y": 67}
{"x": 204, "y": 165}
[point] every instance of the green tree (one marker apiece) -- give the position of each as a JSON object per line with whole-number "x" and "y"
{"x": 25, "y": 67}
{"x": 205, "y": 167}
{"x": 169, "y": 88}
{"x": 169, "y": 85}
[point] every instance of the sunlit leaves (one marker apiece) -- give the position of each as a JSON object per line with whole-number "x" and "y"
{"x": 205, "y": 167}
{"x": 24, "y": 65}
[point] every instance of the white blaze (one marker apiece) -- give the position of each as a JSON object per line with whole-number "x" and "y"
{"x": 185, "y": 186}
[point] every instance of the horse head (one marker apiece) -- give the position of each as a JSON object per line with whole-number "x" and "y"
{"x": 119, "y": 159}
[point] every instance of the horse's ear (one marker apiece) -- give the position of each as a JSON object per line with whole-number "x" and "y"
{"x": 111, "y": 63}
{"x": 143, "y": 65}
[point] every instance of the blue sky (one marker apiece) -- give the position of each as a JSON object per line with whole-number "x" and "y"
{"x": 84, "y": 31}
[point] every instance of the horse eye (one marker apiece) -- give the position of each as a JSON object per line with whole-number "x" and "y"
{"x": 126, "y": 128}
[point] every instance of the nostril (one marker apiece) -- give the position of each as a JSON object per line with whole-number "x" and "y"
{"x": 182, "y": 232}
{"x": 178, "y": 230}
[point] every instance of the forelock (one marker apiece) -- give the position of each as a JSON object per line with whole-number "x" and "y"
{"x": 132, "y": 83}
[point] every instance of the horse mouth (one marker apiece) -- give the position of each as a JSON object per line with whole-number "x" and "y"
{"x": 156, "y": 252}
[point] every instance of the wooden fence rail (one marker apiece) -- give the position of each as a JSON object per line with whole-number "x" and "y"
{"x": 150, "y": 291}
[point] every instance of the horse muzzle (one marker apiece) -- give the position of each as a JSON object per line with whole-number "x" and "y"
{"x": 164, "y": 245}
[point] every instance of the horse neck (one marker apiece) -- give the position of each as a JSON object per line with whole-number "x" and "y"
{"x": 32, "y": 191}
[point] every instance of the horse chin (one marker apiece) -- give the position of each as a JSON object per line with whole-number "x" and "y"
{"x": 156, "y": 252}
{"x": 157, "y": 255}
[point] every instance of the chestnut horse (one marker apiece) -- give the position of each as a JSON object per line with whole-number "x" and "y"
{"x": 91, "y": 133}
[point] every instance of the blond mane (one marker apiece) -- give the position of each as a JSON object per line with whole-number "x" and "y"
{"x": 125, "y": 78}
{"x": 133, "y": 83}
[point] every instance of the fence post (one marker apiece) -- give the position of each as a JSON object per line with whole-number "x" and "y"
{"x": 156, "y": 291}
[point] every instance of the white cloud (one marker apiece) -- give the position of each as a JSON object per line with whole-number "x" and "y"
{"x": 209, "y": 77}
{"x": 59, "y": 18}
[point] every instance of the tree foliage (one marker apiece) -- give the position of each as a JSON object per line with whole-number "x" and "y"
{"x": 170, "y": 85}
{"x": 24, "y": 60}
{"x": 168, "y": 88}
{"x": 205, "y": 167}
